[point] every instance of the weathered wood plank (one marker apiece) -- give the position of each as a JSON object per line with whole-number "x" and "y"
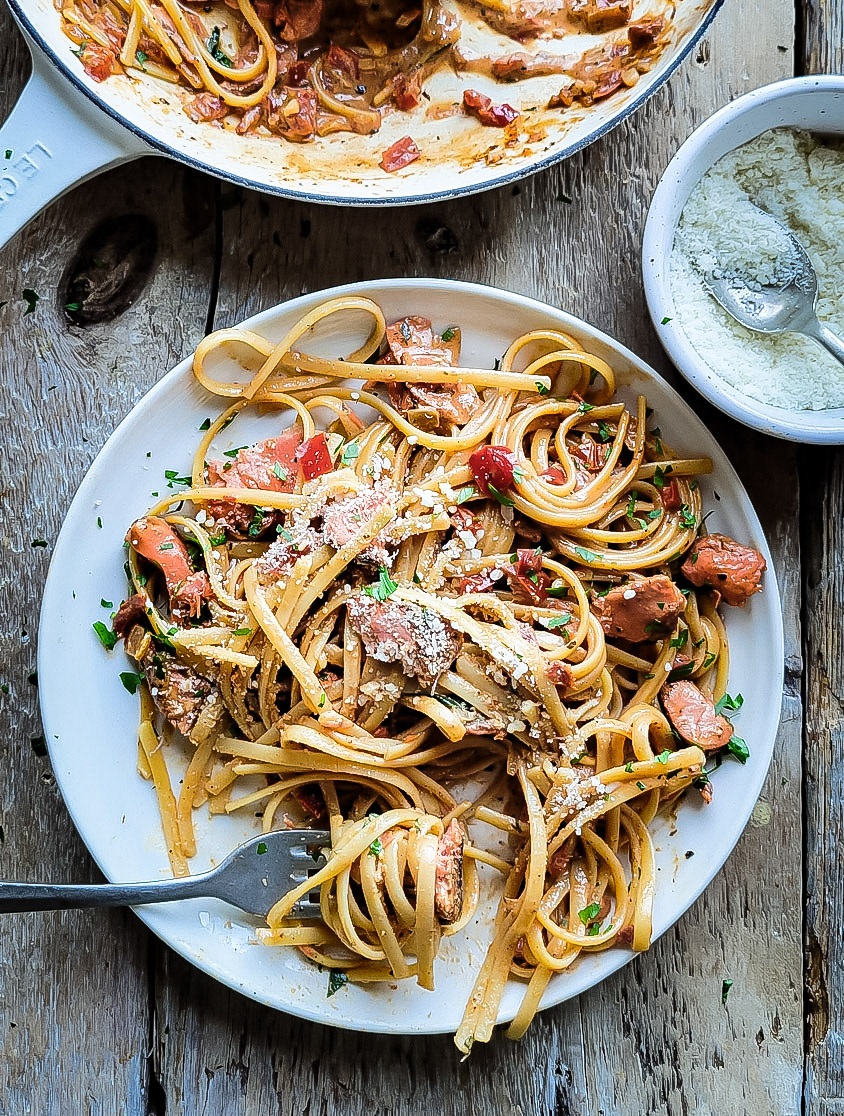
{"x": 656, "y": 1037}
{"x": 74, "y": 997}
{"x": 823, "y": 473}
{"x": 822, "y": 476}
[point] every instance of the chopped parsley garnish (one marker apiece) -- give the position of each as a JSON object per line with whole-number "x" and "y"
{"x": 279, "y": 472}
{"x": 665, "y": 321}
{"x": 31, "y": 298}
{"x": 640, "y": 785}
{"x": 165, "y": 546}
{"x": 261, "y": 848}
{"x": 558, "y": 621}
{"x": 708, "y": 659}
{"x": 257, "y": 524}
{"x": 726, "y": 985}
{"x": 448, "y": 334}
{"x": 321, "y": 702}
{"x": 543, "y": 389}
{"x": 628, "y": 767}
{"x": 376, "y": 848}
{"x": 588, "y": 914}
{"x": 72, "y": 307}
{"x": 730, "y": 703}
{"x": 737, "y": 747}
{"x": 604, "y": 432}
{"x": 234, "y": 452}
{"x": 586, "y": 555}
{"x": 663, "y": 757}
{"x": 659, "y": 477}
{"x": 205, "y": 424}
{"x": 499, "y": 496}
{"x": 106, "y": 604}
{"x": 687, "y": 518}
{"x": 141, "y": 57}
{"x": 465, "y": 494}
{"x": 131, "y": 681}
{"x": 284, "y": 533}
{"x": 217, "y": 540}
{"x": 8, "y": 152}
{"x": 681, "y": 639}
{"x": 584, "y": 407}
{"x": 336, "y": 979}
{"x": 350, "y": 451}
{"x": 385, "y": 586}
{"x": 172, "y": 477}
{"x": 242, "y": 631}
{"x": 107, "y": 637}
{"x": 215, "y": 50}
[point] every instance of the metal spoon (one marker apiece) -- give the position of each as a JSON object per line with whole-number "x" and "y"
{"x": 252, "y": 878}
{"x": 785, "y": 308}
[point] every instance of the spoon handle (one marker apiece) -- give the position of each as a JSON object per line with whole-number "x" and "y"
{"x": 830, "y": 341}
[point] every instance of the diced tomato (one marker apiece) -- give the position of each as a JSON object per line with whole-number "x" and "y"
{"x": 400, "y": 154}
{"x": 407, "y": 90}
{"x": 314, "y": 457}
{"x": 671, "y": 496}
{"x": 495, "y": 466}
{"x": 311, "y": 802}
{"x": 527, "y": 578}
{"x": 496, "y": 116}
{"x": 555, "y": 474}
{"x": 477, "y": 583}
{"x": 344, "y": 61}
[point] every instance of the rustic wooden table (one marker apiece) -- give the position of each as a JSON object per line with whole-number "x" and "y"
{"x": 96, "y": 1016}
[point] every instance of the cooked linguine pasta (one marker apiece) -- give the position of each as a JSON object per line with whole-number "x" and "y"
{"x": 439, "y": 602}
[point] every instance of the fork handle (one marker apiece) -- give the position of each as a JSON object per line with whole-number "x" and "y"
{"x": 830, "y": 341}
{"x": 62, "y": 897}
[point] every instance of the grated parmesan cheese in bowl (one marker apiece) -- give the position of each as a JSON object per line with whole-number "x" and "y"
{"x": 799, "y": 179}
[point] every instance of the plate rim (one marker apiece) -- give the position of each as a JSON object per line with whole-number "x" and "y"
{"x": 559, "y": 991}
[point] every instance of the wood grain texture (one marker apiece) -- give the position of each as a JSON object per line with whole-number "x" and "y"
{"x": 655, "y": 1038}
{"x": 823, "y": 37}
{"x": 74, "y": 994}
{"x": 824, "y": 776}
{"x": 822, "y": 476}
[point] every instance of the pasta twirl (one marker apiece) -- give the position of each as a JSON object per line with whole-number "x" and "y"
{"x": 436, "y": 600}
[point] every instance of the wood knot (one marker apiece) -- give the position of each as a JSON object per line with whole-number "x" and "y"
{"x": 110, "y": 269}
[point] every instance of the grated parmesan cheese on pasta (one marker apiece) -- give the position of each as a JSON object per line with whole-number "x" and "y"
{"x": 799, "y": 180}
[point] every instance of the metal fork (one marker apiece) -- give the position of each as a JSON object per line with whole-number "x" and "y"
{"x": 252, "y": 878}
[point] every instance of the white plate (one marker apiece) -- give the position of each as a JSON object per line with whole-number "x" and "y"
{"x": 90, "y": 720}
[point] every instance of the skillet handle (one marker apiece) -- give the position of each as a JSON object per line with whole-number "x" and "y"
{"x": 54, "y": 138}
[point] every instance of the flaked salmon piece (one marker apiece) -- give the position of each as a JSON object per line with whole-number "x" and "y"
{"x": 413, "y": 341}
{"x": 416, "y": 638}
{"x": 641, "y": 609}
{"x": 270, "y": 465}
{"x": 719, "y": 562}
{"x": 448, "y": 883}
{"x": 187, "y": 699}
{"x": 130, "y": 613}
{"x": 343, "y": 520}
{"x": 693, "y": 715}
{"x": 155, "y": 540}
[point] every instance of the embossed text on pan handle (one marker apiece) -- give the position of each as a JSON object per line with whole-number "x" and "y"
{"x": 53, "y": 139}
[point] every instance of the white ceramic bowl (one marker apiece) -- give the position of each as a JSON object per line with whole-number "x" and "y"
{"x": 815, "y": 104}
